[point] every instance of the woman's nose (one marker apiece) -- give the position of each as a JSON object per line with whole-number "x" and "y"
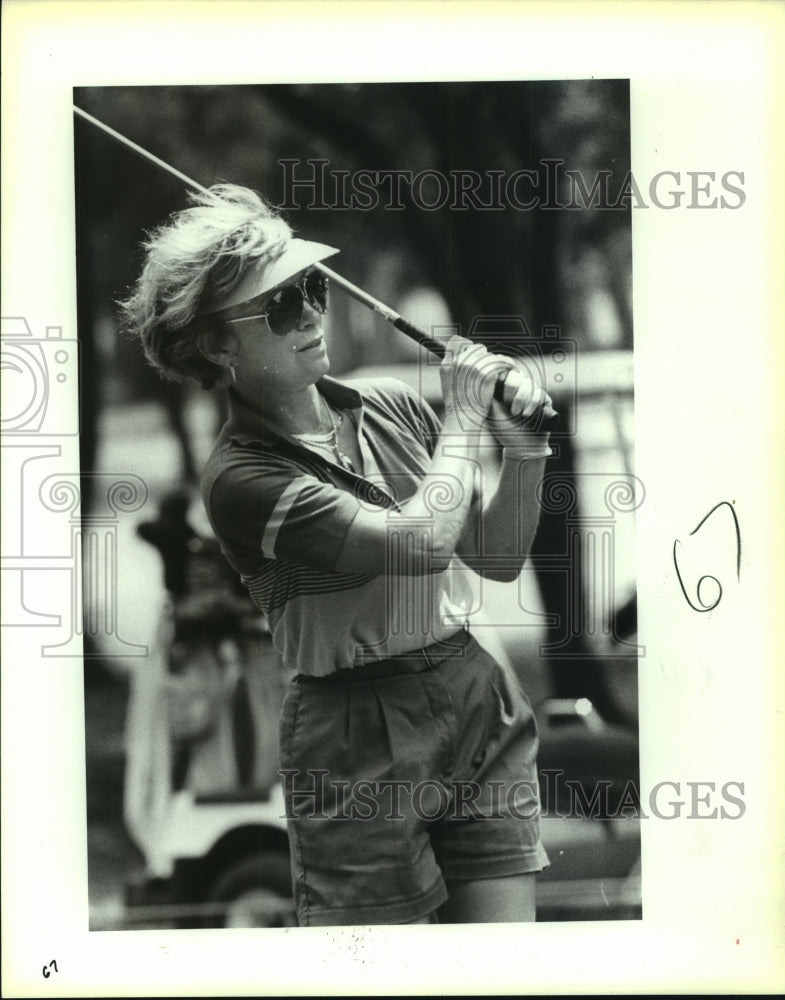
{"x": 310, "y": 316}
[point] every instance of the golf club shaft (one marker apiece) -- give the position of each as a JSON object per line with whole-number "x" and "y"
{"x": 543, "y": 418}
{"x": 434, "y": 346}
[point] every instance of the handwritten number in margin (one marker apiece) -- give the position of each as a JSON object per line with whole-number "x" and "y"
{"x": 709, "y": 607}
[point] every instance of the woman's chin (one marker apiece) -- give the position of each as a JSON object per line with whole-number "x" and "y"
{"x": 320, "y": 361}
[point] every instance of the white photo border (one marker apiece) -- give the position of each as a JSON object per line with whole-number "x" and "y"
{"x": 706, "y": 95}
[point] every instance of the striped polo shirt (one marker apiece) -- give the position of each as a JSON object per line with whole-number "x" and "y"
{"x": 281, "y": 512}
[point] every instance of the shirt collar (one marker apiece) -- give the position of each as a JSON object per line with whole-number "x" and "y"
{"x": 247, "y": 427}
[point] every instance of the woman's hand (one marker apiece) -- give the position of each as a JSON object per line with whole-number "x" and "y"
{"x": 523, "y": 397}
{"x": 510, "y": 514}
{"x": 468, "y": 376}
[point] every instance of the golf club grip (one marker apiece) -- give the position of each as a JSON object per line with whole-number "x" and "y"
{"x": 434, "y": 346}
{"x": 539, "y": 420}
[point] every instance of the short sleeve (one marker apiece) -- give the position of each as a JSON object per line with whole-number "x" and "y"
{"x": 257, "y": 511}
{"x": 430, "y": 425}
{"x": 412, "y": 411}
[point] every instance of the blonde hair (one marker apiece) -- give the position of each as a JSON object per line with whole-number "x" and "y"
{"x": 200, "y": 253}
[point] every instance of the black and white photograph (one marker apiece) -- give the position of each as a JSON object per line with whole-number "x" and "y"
{"x": 385, "y": 513}
{"x": 491, "y": 214}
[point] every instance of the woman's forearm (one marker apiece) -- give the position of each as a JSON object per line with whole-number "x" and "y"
{"x": 422, "y": 538}
{"x": 497, "y": 541}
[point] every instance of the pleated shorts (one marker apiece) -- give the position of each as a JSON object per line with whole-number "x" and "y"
{"x": 403, "y": 776}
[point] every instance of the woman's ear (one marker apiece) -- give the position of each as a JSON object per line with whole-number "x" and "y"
{"x": 220, "y": 348}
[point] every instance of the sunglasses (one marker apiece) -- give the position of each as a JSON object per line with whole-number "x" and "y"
{"x": 285, "y": 309}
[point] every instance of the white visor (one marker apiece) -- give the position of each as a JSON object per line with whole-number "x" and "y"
{"x": 264, "y": 275}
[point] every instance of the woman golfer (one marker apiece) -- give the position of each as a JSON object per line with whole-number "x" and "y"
{"x": 355, "y": 520}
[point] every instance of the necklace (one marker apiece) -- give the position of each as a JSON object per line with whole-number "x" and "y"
{"x": 329, "y": 441}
